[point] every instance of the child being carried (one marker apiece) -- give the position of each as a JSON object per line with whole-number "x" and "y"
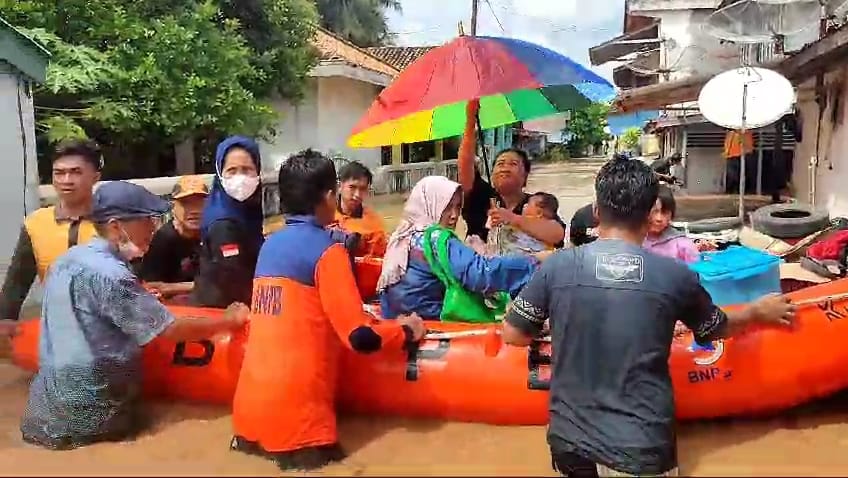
{"x": 508, "y": 240}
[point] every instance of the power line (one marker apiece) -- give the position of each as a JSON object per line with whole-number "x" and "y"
{"x": 492, "y": 9}
{"x": 556, "y": 27}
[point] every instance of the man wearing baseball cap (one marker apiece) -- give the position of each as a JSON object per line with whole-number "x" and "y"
{"x": 171, "y": 263}
{"x": 95, "y": 319}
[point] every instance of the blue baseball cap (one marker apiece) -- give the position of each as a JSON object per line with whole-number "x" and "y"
{"x": 123, "y": 200}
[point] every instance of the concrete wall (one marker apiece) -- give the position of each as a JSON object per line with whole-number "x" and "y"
{"x": 19, "y": 181}
{"x": 297, "y": 128}
{"x": 830, "y": 176}
{"x": 322, "y": 120}
{"x": 705, "y": 171}
{"x": 18, "y": 192}
{"x": 341, "y": 104}
{"x": 692, "y": 51}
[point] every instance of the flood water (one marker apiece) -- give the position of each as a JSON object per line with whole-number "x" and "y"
{"x": 193, "y": 440}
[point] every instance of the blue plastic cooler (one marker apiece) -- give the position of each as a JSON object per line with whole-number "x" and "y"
{"x": 738, "y": 274}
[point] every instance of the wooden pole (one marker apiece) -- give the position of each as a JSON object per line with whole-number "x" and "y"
{"x": 474, "y": 7}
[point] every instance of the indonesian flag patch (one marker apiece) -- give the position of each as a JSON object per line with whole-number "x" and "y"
{"x": 230, "y": 250}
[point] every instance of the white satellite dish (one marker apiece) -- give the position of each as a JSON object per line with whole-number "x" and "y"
{"x": 746, "y": 98}
{"x": 761, "y": 21}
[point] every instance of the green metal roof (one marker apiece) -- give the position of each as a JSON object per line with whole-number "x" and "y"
{"x": 23, "y": 53}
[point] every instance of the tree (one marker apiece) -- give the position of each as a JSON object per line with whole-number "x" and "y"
{"x": 630, "y": 138}
{"x": 362, "y": 22}
{"x": 146, "y": 75}
{"x": 586, "y": 127}
{"x": 280, "y": 32}
{"x": 73, "y": 71}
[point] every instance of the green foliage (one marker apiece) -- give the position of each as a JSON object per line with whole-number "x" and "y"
{"x": 61, "y": 126}
{"x": 73, "y": 69}
{"x": 362, "y": 22}
{"x": 151, "y": 73}
{"x": 187, "y": 72}
{"x": 280, "y": 32}
{"x": 630, "y": 138}
{"x": 555, "y": 153}
{"x": 587, "y": 127}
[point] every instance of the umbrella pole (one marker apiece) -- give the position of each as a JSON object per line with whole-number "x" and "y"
{"x": 480, "y": 138}
{"x": 481, "y": 141}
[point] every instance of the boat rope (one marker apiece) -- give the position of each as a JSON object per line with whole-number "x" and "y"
{"x": 470, "y": 333}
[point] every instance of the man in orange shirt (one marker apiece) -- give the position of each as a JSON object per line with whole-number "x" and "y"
{"x": 306, "y": 308}
{"x": 353, "y": 217}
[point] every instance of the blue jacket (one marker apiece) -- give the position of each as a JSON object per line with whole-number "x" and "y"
{"x": 420, "y": 291}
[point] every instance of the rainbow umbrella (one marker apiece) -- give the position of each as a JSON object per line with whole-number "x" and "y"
{"x": 514, "y": 80}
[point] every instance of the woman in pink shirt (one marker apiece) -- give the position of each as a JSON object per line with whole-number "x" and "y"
{"x": 665, "y": 240}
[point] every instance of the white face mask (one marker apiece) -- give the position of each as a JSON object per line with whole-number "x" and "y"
{"x": 240, "y": 186}
{"x": 128, "y": 250}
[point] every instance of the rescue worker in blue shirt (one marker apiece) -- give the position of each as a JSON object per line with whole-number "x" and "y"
{"x": 95, "y": 318}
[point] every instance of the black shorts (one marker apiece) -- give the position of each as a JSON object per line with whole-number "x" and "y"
{"x": 573, "y": 465}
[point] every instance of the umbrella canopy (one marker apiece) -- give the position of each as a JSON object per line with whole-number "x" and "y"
{"x": 514, "y": 80}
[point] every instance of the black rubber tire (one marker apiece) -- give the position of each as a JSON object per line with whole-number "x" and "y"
{"x": 715, "y": 224}
{"x": 789, "y": 221}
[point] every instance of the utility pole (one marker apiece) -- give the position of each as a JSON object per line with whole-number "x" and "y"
{"x": 474, "y": 6}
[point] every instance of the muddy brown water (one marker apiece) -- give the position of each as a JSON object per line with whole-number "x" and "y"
{"x": 193, "y": 440}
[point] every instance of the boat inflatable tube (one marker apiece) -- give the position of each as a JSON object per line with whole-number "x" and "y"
{"x": 468, "y": 374}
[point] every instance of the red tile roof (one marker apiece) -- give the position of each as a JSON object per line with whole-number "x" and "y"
{"x": 399, "y": 56}
{"x": 335, "y": 49}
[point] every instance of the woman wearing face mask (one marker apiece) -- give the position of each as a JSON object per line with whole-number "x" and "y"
{"x": 231, "y": 230}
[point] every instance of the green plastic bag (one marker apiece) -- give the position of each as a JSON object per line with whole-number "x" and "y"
{"x": 460, "y": 304}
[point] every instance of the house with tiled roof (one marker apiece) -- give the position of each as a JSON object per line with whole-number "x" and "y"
{"x": 399, "y": 56}
{"x": 339, "y": 90}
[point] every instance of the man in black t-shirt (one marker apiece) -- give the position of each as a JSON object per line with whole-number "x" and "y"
{"x": 502, "y": 202}
{"x": 662, "y": 167}
{"x": 611, "y": 309}
{"x": 171, "y": 262}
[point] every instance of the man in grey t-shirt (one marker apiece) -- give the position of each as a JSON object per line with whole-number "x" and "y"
{"x": 612, "y": 307}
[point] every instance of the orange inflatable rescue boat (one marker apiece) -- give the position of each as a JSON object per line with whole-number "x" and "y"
{"x": 463, "y": 371}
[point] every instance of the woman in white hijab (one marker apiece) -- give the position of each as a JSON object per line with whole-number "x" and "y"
{"x": 407, "y": 284}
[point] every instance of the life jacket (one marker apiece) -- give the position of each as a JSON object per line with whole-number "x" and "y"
{"x": 52, "y": 237}
{"x": 369, "y": 225}
{"x": 305, "y": 308}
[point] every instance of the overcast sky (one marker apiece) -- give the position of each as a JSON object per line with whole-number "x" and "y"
{"x": 557, "y": 24}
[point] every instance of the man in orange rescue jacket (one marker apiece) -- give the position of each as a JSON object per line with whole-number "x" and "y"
{"x": 353, "y": 216}
{"x": 305, "y": 308}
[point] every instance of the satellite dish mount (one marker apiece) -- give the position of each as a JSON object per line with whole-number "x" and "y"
{"x": 742, "y": 99}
